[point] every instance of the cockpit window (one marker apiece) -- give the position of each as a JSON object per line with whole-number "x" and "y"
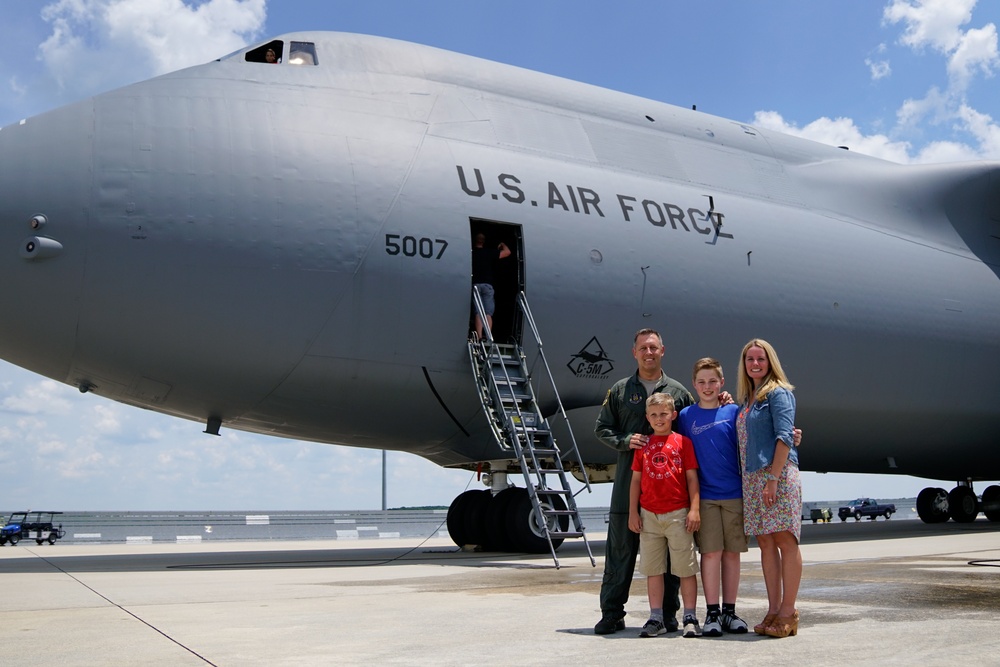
{"x": 271, "y": 52}
{"x": 302, "y": 53}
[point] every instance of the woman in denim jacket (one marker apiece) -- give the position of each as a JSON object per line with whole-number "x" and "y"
{"x": 772, "y": 490}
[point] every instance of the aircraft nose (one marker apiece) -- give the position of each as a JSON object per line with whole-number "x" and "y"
{"x": 46, "y": 165}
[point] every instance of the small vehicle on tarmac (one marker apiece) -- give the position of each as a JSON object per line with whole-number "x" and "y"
{"x": 866, "y": 507}
{"x": 31, "y": 525}
{"x": 820, "y": 514}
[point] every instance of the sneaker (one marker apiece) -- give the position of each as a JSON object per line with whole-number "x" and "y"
{"x": 733, "y": 624}
{"x": 713, "y": 628}
{"x": 691, "y": 626}
{"x": 609, "y": 626}
{"x": 652, "y": 628}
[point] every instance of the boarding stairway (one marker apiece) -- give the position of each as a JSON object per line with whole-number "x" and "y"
{"x": 508, "y": 394}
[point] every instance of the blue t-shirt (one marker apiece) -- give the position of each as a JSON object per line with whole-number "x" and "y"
{"x": 713, "y": 432}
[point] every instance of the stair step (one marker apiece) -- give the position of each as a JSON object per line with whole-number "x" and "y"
{"x": 572, "y": 533}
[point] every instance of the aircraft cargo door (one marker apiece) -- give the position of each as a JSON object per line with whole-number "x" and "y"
{"x": 507, "y": 276}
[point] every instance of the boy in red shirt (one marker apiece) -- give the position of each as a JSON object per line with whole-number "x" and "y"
{"x": 664, "y": 510}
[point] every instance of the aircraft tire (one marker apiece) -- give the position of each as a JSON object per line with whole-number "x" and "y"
{"x": 991, "y": 502}
{"x": 498, "y": 537}
{"x": 476, "y": 531}
{"x": 524, "y": 527}
{"x": 963, "y": 505}
{"x": 456, "y": 518}
{"x": 932, "y": 505}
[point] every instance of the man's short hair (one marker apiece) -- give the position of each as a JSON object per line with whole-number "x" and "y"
{"x": 646, "y": 332}
{"x": 660, "y": 398}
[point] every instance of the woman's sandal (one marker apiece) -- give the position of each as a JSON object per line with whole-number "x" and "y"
{"x": 783, "y": 626}
{"x": 768, "y": 620}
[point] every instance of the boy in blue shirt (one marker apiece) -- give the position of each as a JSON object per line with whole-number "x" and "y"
{"x": 721, "y": 537}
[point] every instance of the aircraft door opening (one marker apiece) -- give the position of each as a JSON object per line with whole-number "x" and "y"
{"x": 507, "y": 276}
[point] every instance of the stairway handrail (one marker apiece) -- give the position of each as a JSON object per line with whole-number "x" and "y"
{"x": 522, "y": 301}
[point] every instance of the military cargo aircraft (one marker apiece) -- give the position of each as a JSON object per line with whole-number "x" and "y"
{"x": 282, "y": 245}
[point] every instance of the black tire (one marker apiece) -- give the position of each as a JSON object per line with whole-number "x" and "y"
{"x": 888, "y": 515}
{"x": 932, "y": 505}
{"x": 498, "y": 537}
{"x": 39, "y": 542}
{"x": 3, "y": 541}
{"x": 475, "y": 517}
{"x": 53, "y": 537}
{"x": 963, "y": 506}
{"x": 991, "y": 502}
{"x": 456, "y": 518}
{"x": 14, "y": 539}
{"x": 857, "y": 516}
{"x": 843, "y": 518}
{"x": 523, "y": 526}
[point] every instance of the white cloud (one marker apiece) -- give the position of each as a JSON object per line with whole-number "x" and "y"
{"x": 938, "y": 24}
{"x": 15, "y": 86}
{"x": 984, "y": 129}
{"x": 44, "y": 396}
{"x": 977, "y": 50}
{"x": 837, "y": 132}
{"x": 98, "y": 44}
{"x": 879, "y": 68}
{"x": 934, "y": 23}
{"x": 105, "y": 419}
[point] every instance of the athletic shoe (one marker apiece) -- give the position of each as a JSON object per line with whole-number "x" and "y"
{"x": 733, "y": 624}
{"x": 652, "y": 628}
{"x": 609, "y": 626}
{"x": 713, "y": 628}
{"x": 691, "y": 626}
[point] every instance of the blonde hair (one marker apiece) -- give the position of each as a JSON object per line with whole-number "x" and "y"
{"x": 660, "y": 398}
{"x": 775, "y": 375}
{"x": 707, "y": 364}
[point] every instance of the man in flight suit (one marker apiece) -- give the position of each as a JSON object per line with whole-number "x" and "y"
{"x": 622, "y": 426}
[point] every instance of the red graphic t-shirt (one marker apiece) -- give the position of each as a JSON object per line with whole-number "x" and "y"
{"x": 663, "y": 462}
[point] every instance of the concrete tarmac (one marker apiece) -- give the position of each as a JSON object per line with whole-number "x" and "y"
{"x": 888, "y": 593}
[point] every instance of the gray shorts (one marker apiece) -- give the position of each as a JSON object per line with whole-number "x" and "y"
{"x": 486, "y": 294}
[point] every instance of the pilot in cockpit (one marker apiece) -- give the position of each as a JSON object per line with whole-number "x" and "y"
{"x": 270, "y": 56}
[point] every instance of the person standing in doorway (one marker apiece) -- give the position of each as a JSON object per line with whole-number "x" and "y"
{"x": 483, "y": 262}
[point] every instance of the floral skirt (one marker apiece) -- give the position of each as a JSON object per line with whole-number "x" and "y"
{"x": 786, "y": 513}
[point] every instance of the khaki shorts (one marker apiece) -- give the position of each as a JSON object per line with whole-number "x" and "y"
{"x": 662, "y": 533}
{"x": 722, "y": 526}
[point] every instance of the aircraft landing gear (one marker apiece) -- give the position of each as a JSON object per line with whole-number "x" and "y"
{"x": 963, "y": 506}
{"x": 506, "y": 521}
{"x": 991, "y": 502}
{"x": 934, "y": 505}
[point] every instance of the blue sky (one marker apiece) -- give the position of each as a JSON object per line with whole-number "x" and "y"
{"x": 906, "y": 80}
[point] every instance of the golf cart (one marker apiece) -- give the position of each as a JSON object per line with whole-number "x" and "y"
{"x": 30, "y": 525}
